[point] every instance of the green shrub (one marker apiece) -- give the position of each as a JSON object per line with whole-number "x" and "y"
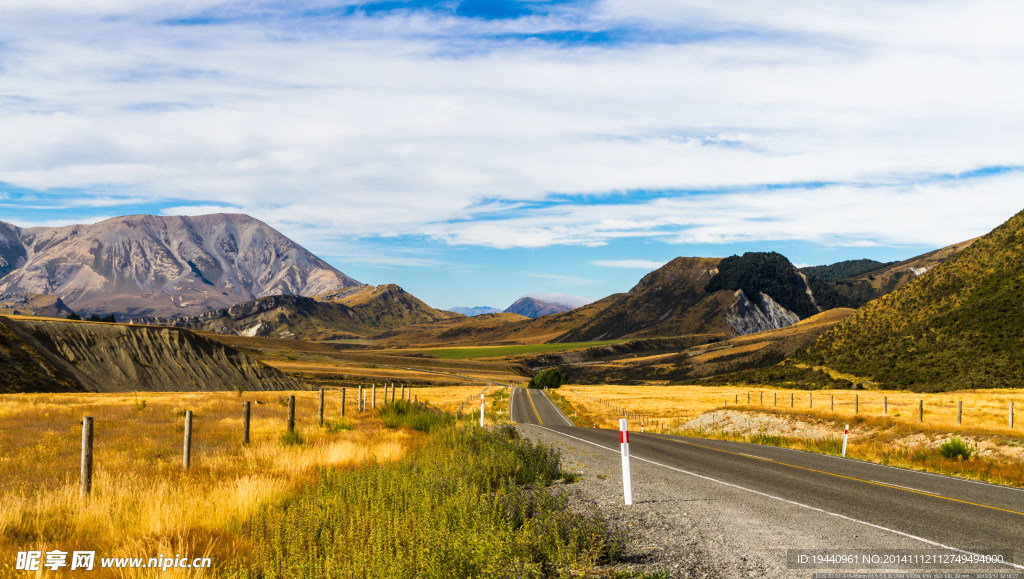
{"x": 338, "y": 425}
{"x": 550, "y": 378}
{"x": 293, "y": 438}
{"x": 412, "y": 415}
{"x": 955, "y": 447}
{"x": 470, "y": 502}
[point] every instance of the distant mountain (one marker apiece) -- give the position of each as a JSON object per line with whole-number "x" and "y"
{"x": 535, "y": 308}
{"x": 960, "y": 326}
{"x": 475, "y": 311}
{"x": 146, "y": 265}
{"x": 361, "y": 312}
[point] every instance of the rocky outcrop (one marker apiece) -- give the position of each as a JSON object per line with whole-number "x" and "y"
{"x": 747, "y": 317}
{"x": 23, "y": 304}
{"x": 146, "y": 265}
{"x": 104, "y": 357}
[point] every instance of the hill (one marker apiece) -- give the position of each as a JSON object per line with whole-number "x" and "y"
{"x": 861, "y": 288}
{"x": 23, "y": 304}
{"x": 40, "y": 355}
{"x": 495, "y": 328}
{"x": 360, "y": 312}
{"x": 690, "y": 295}
{"x": 147, "y": 265}
{"x": 960, "y": 326}
{"x": 843, "y": 269}
{"x": 535, "y": 308}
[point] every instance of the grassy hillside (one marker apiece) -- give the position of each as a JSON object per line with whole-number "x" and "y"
{"x": 843, "y": 269}
{"x": 958, "y": 326}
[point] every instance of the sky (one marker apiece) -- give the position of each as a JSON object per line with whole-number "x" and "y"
{"x": 474, "y": 152}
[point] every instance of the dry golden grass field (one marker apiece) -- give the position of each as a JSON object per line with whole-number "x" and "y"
{"x": 984, "y": 411}
{"x": 143, "y": 503}
{"x": 885, "y": 426}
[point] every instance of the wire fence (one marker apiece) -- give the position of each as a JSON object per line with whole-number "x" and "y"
{"x": 43, "y": 447}
{"x": 996, "y": 413}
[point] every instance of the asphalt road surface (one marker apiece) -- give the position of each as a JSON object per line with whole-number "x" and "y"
{"x": 912, "y": 508}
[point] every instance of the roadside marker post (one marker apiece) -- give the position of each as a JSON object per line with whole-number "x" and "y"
{"x": 846, "y": 434}
{"x": 481, "y": 411}
{"x": 627, "y": 481}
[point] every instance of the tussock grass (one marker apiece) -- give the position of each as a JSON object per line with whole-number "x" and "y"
{"x": 143, "y": 503}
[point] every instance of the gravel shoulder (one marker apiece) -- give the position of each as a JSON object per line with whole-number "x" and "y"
{"x": 692, "y": 527}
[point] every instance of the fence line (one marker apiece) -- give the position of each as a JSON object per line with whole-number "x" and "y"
{"x": 660, "y": 422}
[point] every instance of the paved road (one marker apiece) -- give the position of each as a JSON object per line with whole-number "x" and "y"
{"x": 936, "y": 512}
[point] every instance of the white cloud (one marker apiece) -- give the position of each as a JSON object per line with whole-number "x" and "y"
{"x": 413, "y": 125}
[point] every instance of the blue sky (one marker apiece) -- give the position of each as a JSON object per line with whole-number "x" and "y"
{"x": 477, "y": 151}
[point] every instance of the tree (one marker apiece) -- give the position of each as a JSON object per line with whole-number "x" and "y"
{"x": 550, "y": 378}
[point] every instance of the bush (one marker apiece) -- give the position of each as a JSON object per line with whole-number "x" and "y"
{"x": 956, "y": 448}
{"x": 412, "y": 415}
{"x": 550, "y": 378}
{"x": 469, "y": 502}
{"x": 293, "y": 438}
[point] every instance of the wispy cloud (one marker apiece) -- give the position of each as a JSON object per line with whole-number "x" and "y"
{"x": 525, "y": 124}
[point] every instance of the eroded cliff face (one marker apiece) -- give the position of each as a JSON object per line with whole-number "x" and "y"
{"x": 748, "y": 317}
{"x": 117, "y": 358}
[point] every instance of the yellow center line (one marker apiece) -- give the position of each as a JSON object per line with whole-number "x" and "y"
{"x": 875, "y": 483}
{"x": 530, "y": 398}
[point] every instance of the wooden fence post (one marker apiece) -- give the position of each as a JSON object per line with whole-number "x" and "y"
{"x": 393, "y": 388}
{"x": 856, "y": 403}
{"x": 792, "y": 400}
{"x": 320, "y": 412}
{"x": 810, "y": 400}
{"x": 86, "y": 482}
{"x": 343, "y": 403}
{"x": 291, "y": 414}
{"x": 885, "y": 405}
{"x": 373, "y": 397}
{"x": 959, "y": 412}
{"x": 1011, "y": 416}
{"x": 186, "y": 456}
{"x": 920, "y": 410}
{"x": 246, "y": 412}
{"x": 359, "y": 400}
{"x": 832, "y": 407}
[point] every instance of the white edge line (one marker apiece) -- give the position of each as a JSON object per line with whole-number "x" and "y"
{"x": 558, "y": 410}
{"x": 809, "y": 507}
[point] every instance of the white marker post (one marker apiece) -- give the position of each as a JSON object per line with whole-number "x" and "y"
{"x": 627, "y": 480}
{"x": 481, "y": 411}
{"x": 846, "y": 434}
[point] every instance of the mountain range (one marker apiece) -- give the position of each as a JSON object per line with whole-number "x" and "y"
{"x": 146, "y": 265}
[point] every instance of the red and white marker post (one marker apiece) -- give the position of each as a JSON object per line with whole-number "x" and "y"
{"x": 846, "y": 434}
{"x": 481, "y": 410}
{"x": 627, "y": 479}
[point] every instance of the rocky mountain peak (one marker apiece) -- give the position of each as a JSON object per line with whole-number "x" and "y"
{"x": 148, "y": 265}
